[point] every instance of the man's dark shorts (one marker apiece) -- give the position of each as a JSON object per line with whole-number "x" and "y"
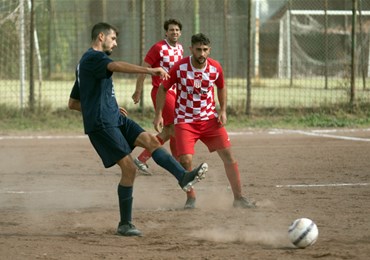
{"x": 112, "y": 144}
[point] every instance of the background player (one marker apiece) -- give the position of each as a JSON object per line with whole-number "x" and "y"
{"x": 164, "y": 54}
{"x": 112, "y": 134}
{"x": 196, "y": 117}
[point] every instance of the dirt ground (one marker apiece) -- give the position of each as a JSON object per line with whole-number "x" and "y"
{"x": 58, "y": 202}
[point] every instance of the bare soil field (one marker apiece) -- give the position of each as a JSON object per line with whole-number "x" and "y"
{"x": 58, "y": 202}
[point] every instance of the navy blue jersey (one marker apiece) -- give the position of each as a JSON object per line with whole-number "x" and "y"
{"x": 94, "y": 88}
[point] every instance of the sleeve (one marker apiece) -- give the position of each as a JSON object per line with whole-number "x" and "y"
{"x": 152, "y": 56}
{"x": 75, "y": 93}
{"x": 167, "y": 84}
{"x": 99, "y": 65}
{"x": 220, "y": 82}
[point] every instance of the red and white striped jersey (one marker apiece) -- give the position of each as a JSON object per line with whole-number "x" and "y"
{"x": 162, "y": 54}
{"x": 195, "y": 90}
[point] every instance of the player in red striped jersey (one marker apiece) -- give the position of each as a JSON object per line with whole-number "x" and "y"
{"x": 165, "y": 54}
{"x": 196, "y": 117}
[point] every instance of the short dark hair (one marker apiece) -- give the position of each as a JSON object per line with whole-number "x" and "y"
{"x": 102, "y": 27}
{"x": 172, "y": 21}
{"x": 200, "y": 38}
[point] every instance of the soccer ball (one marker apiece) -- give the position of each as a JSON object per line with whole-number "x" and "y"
{"x": 303, "y": 232}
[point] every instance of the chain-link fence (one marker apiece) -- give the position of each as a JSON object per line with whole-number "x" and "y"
{"x": 275, "y": 53}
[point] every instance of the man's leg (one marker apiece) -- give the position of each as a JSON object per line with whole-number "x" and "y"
{"x": 125, "y": 199}
{"x": 173, "y": 147}
{"x": 186, "y": 161}
{"x": 233, "y": 175}
{"x": 185, "y": 149}
{"x": 145, "y": 155}
{"x": 170, "y": 129}
{"x": 167, "y": 131}
{"x": 160, "y": 155}
{"x": 113, "y": 148}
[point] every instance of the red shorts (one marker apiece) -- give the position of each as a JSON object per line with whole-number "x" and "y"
{"x": 210, "y": 132}
{"x": 168, "y": 112}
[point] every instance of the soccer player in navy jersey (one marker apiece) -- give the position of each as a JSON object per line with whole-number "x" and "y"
{"x": 196, "y": 78}
{"x": 112, "y": 134}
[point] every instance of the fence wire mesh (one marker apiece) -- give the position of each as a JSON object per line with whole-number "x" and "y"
{"x": 299, "y": 53}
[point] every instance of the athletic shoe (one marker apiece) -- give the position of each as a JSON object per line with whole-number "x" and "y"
{"x": 243, "y": 203}
{"x": 142, "y": 167}
{"x": 190, "y": 203}
{"x": 128, "y": 230}
{"x": 190, "y": 178}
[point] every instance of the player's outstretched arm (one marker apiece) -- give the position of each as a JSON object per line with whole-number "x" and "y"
{"x": 125, "y": 67}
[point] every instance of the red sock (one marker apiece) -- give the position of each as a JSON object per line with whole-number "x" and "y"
{"x": 145, "y": 155}
{"x": 190, "y": 193}
{"x": 233, "y": 174}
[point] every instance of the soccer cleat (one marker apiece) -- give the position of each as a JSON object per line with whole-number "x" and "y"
{"x": 194, "y": 176}
{"x": 190, "y": 203}
{"x": 128, "y": 230}
{"x": 142, "y": 167}
{"x": 244, "y": 203}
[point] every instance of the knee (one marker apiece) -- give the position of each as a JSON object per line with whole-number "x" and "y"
{"x": 185, "y": 162}
{"x": 153, "y": 143}
{"x": 229, "y": 160}
{"x": 226, "y": 156}
{"x": 131, "y": 169}
{"x": 147, "y": 141}
{"x": 128, "y": 174}
{"x": 166, "y": 134}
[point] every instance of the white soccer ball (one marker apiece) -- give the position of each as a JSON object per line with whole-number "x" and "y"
{"x": 303, "y": 232}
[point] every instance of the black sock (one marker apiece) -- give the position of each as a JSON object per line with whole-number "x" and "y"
{"x": 125, "y": 203}
{"x": 166, "y": 161}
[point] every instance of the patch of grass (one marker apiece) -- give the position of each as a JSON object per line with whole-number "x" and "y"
{"x": 341, "y": 116}
{"x": 41, "y": 120}
{"x": 66, "y": 121}
{"x": 295, "y": 122}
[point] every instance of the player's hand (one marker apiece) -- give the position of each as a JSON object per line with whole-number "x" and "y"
{"x": 136, "y": 97}
{"x": 159, "y": 72}
{"x": 158, "y": 123}
{"x": 222, "y": 117}
{"x": 123, "y": 111}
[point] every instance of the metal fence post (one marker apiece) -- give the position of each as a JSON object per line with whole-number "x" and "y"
{"x": 353, "y": 54}
{"x": 249, "y": 60}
